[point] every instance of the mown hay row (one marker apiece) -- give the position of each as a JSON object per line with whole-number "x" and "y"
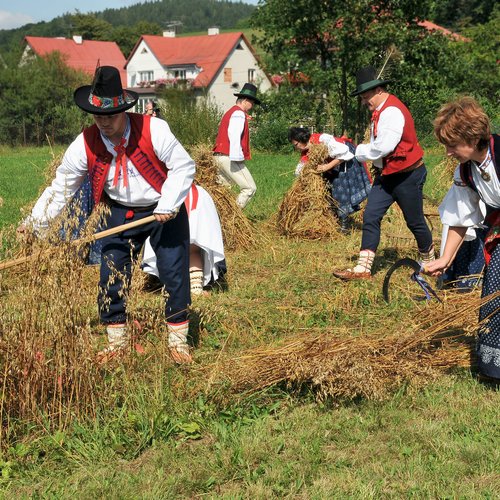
{"x": 372, "y": 367}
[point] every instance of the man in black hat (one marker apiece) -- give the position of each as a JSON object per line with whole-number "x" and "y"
{"x": 127, "y": 157}
{"x": 397, "y": 155}
{"x": 232, "y": 144}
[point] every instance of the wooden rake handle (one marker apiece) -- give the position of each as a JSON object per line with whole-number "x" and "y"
{"x": 98, "y": 236}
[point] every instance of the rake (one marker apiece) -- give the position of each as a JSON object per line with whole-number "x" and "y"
{"x": 98, "y": 236}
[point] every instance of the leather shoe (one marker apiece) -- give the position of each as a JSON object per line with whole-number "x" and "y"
{"x": 350, "y": 275}
{"x": 180, "y": 356}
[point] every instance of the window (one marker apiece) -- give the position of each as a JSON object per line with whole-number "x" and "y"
{"x": 228, "y": 75}
{"x": 140, "y": 107}
{"x": 146, "y": 76}
{"x": 251, "y": 76}
{"x": 180, "y": 74}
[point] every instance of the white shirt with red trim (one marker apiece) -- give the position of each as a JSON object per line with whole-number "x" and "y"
{"x": 234, "y": 132}
{"x": 462, "y": 206}
{"x": 389, "y": 132}
{"x": 139, "y": 193}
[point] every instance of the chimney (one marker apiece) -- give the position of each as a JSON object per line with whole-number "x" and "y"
{"x": 214, "y": 30}
{"x": 78, "y": 39}
{"x": 169, "y": 33}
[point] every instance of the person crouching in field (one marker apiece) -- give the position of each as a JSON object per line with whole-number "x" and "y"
{"x": 464, "y": 129}
{"x": 347, "y": 178}
{"x": 398, "y": 157}
{"x": 127, "y": 157}
{"x": 207, "y": 263}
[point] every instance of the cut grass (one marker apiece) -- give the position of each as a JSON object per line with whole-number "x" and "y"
{"x": 161, "y": 435}
{"x": 430, "y": 444}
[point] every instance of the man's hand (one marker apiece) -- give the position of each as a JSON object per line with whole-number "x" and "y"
{"x": 162, "y": 218}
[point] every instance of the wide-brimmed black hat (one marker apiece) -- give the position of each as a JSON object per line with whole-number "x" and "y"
{"x": 366, "y": 79}
{"x": 105, "y": 96}
{"x": 249, "y": 91}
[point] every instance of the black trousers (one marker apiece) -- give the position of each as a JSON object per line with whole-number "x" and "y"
{"x": 406, "y": 190}
{"x": 170, "y": 241}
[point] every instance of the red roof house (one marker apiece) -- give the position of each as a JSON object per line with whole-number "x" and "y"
{"x": 215, "y": 65}
{"x": 78, "y": 53}
{"x": 430, "y": 26}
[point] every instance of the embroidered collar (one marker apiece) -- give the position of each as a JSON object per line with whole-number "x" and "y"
{"x": 483, "y": 166}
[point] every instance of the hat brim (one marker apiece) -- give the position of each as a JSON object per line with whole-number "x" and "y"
{"x": 81, "y": 97}
{"x": 368, "y": 86}
{"x": 249, "y": 97}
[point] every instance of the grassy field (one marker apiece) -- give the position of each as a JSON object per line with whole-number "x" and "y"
{"x": 163, "y": 432}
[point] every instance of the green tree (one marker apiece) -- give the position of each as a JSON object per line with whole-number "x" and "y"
{"x": 37, "y": 102}
{"x": 457, "y": 14}
{"x": 482, "y": 54}
{"x": 126, "y": 37}
{"x": 90, "y": 27}
{"x": 328, "y": 41}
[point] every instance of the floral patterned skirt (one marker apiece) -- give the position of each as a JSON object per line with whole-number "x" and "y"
{"x": 349, "y": 185}
{"x": 488, "y": 342}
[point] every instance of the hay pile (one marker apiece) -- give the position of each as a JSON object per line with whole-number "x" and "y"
{"x": 371, "y": 367}
{"x": 306, "y": 210}
{"x": 237, "y": 230}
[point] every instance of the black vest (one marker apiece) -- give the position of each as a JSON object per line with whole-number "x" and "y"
{"x": 466, "y": 168}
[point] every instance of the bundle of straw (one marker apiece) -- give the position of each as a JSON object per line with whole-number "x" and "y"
{"x": 46, "y": 344}
{"x": 306, "y": 210}
{"x": 444, "y": 171}
{"x": 371, "y": 367}
{"x": 237, "y": 231}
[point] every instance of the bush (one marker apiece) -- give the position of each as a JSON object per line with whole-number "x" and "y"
{"x": 270, "y": 134}
{"x": 287, "y": 107}
{"x": 192, "y": 120}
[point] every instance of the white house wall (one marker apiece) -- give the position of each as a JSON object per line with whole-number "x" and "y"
{"x": 240, "y": 61}
{"x": 140, "y": 62}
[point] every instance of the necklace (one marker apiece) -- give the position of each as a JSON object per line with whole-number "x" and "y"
{"x": 482, "y": 168}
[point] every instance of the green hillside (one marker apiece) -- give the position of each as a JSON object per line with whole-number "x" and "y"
{"x": 188, "y": 16}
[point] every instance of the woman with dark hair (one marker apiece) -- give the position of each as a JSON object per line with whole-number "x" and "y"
{"x": 347, "y": 178}
{"x": 464, "y": 129}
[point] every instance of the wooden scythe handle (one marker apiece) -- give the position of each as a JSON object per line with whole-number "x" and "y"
{"x": 98, "y": 236}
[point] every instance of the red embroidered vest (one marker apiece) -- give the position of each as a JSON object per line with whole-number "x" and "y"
{"x": 139, "y": 151}
{"x": 408, "y": 151}
{"x": 222, "y": 140}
